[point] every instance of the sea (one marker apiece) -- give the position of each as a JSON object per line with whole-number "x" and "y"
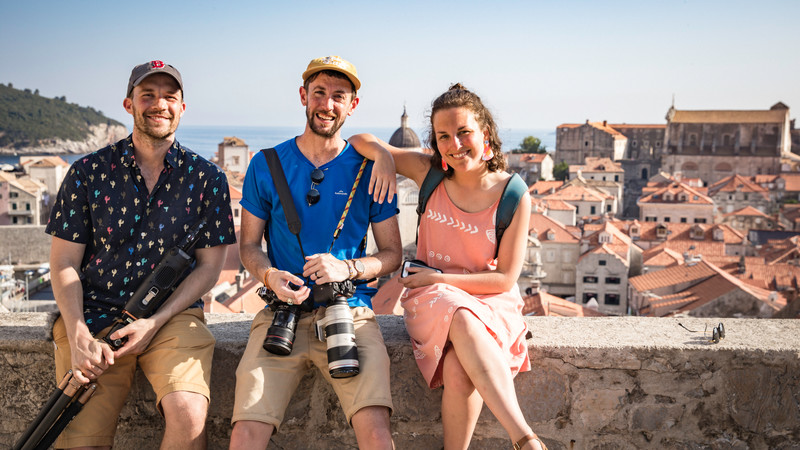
{"x": 205, "y": 139}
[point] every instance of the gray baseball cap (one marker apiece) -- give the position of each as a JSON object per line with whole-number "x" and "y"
{"x": 143, "y": 71}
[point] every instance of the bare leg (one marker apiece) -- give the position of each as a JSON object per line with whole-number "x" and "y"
{"x": 250, "y": 434}
{"x": 461, "y": 404}
{"x": 488, "y": 371}
{"x": 371, "y": 425}
{"x": 185, "y": 416}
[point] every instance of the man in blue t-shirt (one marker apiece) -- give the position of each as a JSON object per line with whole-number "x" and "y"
{"x": 329, "y": 184}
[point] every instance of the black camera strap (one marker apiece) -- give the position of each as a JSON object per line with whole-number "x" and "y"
{"x": 289, "y": 210}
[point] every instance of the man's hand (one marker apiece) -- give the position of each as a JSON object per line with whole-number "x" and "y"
{"x": 90, "y": 358}
{"x": 139, "y": 334}
{"x": 325, "y": 268}
{"x": 279, "y": 281}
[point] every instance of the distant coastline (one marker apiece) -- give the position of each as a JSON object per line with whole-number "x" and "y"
{"x": 204, "y": 139}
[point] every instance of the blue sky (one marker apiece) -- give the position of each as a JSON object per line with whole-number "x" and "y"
{"x": 535, "y": 63}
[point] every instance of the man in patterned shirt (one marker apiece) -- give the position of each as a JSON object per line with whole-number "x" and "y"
{"x": 118, "y": 211}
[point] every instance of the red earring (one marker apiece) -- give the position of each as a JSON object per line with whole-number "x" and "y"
{"x": 444, "y": 165}
{"x": 487, "y": 151}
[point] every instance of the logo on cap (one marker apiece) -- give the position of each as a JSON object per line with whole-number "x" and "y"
{"x": 333, "y": 60}
{"x": 157, "y": 64}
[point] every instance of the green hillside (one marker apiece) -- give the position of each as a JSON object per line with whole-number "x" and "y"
{"x": 26, "y": 118}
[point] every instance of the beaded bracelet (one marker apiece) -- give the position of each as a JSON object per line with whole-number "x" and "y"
{"x": 266, "y": 274}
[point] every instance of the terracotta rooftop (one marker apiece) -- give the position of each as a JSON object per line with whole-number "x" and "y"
{"x": 664, "y": 257}
{"x": 233, "y": 141}
{"x": 792, "y": 181}
{"x": 747, "y": 211}
{"x": 579, "y": 193}
{"x": 543, "y": 187}
{"x": 675, "y": 190}
{"x": 46, "y": 161}
{"x": 599, "y": 125}
{"x": 671, "y": 276}
{"x": 592, "y": 164}
{"x": 544, "y": 304}
{"x": 683, "y": 231}
{"x": 736, "y": 183}
{"x": 541, "y": 224}
{"x": 729, "y": 116}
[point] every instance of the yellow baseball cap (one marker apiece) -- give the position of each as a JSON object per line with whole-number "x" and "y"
{"x": 333, "y": 63}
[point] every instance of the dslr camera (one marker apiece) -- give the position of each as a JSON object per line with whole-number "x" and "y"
{"x": 336, "y": 329}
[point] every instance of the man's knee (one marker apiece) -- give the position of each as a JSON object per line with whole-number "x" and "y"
{"x": 187, "y": 409}
{"x": 372, "y": 421}
{"x": 250, "y": 434}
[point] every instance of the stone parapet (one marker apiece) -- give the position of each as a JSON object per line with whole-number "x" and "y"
{"x": 24, "y": 244}
{"x": 596, "y": 383}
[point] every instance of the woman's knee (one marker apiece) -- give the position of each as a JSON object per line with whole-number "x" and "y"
{"x": 454, "y": 376}
{"x": 464, "y": 324}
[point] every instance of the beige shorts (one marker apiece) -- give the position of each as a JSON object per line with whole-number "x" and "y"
{"x": 177, "y": 359}
{"x": 265, "y": 382}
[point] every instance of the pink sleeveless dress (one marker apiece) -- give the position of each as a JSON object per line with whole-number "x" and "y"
{"x": 460, "y": 242}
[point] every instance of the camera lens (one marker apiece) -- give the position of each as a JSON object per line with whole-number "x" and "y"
{"x": 280, "y": 334}
{"x": 340, "y": 338}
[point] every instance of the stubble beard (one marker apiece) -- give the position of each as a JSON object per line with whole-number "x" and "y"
{"x": 140, "y": 123}
{"x": 335, "y": 127}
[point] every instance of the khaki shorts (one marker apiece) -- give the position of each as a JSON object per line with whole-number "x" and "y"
{"x": 177, "y": 359}
{"x": 265, "y": 382}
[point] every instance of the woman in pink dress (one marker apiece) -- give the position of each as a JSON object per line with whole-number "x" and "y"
{"x": 465, "y": 323}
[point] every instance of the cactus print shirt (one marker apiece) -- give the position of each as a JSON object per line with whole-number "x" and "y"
{"x": 103, "y": 202}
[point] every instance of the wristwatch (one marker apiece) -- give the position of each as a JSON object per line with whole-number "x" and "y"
{"x": 359, "y": 266}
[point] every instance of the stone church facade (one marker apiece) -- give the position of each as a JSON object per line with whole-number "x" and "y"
{"x": 712, "y": 145}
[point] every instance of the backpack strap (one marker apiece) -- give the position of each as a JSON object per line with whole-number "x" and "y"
{"x": 512, "y": 194}
{"x": 432, "y": 179}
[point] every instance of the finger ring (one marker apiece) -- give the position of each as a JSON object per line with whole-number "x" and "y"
{"x": 316, "y": 274}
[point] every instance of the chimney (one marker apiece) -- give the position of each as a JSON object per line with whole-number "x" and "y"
{"x": 605, "y": 122}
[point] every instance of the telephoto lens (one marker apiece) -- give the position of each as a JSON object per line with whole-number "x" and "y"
{"x": 337, "y": 329}
{"x": 280, "y": 334}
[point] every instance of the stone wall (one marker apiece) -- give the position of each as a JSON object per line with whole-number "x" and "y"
{"x": 597, "y": 383}
{"x": 24, "y": 244}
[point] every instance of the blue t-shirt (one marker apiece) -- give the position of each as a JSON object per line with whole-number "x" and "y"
{"x": 318, "y": 221}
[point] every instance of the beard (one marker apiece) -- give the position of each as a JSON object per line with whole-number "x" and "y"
{"x": 320, "y": 131}
{"x": 154, "y": 132}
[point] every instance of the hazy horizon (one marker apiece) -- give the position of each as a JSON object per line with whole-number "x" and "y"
{"x": 535, "y": 64}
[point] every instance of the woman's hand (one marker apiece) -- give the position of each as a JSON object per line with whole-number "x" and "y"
{"x": 383, "y": 181}
{"x": 420, "y": 277}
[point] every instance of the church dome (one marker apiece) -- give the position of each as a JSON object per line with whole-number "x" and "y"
{"x": 404, "y": 137}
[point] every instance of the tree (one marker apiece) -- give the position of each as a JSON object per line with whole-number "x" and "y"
{"x": 531, "y": 144}
{"x": 561, "y": 171}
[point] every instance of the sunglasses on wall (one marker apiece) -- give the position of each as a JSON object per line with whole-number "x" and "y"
{"x": 717, "y": 332}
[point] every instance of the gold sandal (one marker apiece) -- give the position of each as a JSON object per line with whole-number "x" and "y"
{"x": 525, "y": 439}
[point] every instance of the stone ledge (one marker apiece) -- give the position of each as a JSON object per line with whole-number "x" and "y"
{"x": 596, "y": 383}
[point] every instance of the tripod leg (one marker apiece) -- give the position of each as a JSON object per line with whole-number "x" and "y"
{"x": 43, "y": 412}
{"x": 64, "y": 420}
{"x": 73, "y": 387}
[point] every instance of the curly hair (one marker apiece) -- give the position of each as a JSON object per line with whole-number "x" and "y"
{"x": 460, "y": 97}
